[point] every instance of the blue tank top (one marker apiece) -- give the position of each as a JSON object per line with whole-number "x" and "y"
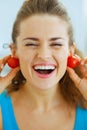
{"x": 8, "y": 117}
{"x": 9, "y": 121}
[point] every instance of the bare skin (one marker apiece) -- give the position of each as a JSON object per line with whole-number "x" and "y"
{"x": 38, "y": 113}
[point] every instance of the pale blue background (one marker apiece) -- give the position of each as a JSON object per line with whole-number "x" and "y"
{"x": 76, "y": 9}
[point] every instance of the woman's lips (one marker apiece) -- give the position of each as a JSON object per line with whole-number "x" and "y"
{"x": 44, "y": 70}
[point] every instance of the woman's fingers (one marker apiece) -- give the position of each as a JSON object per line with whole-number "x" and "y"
{"x": 80, "y": 83}
{"x": 75, "y": 78}
{"x": 3, "y": 62}
{"x": 5, "y": 81}
{"x": 83, "y": 67}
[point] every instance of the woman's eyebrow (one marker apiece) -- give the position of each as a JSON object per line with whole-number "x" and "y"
{"x": 31, "y": 38}
{"x": 56, "y": 38}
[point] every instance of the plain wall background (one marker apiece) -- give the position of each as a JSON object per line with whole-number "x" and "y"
{"x": 77, "y": 11}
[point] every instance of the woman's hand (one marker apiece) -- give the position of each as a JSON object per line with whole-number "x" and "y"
{"x": 5, "y": 81}
{"x": 80, "y": 82}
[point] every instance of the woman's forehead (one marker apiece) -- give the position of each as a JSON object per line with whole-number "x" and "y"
{"x": 46, "y": 23}
{"x": 44, "y": 18}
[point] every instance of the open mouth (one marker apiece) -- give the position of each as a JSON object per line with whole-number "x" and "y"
{"x": 44, "y": 69}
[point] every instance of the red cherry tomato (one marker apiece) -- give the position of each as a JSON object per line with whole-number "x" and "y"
{"x": 13, "y": 62}
{"x": 72, "y": 62}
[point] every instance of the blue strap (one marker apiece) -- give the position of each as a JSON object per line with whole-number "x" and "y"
{"x": 81, "y": 119}
{"x": 8, "y": 117}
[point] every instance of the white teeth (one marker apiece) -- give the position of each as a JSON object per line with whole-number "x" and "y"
{"x": 42, "y": 67}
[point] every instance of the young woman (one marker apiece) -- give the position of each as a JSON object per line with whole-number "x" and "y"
{"x": 44, "y": 93}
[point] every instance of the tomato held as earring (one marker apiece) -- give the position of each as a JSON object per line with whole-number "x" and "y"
{"x": 72, "y": 62}
{"x": 13, "y": 62}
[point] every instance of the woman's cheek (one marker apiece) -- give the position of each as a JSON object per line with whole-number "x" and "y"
{"x": 63, "y": 61}
{"x": 63, "y": 57}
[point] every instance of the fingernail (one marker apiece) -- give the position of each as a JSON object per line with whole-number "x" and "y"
{"x": 82, "y": 63}
{"x": 2, "y": 66}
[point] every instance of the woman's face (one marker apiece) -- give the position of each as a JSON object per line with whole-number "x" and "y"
{"x": 42, "y": 49}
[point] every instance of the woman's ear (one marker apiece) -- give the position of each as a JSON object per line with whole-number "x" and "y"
{"x": 72, "y": 49}
{"x": 13, "y": 49}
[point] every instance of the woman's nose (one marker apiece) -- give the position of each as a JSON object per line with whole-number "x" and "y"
{"x": 44, "y": 53}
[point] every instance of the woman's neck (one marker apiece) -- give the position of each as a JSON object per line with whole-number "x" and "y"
{"x": 44, "y": 100}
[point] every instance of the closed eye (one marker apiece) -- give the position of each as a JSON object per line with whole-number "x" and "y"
{"x": 56, "y": 44}
{"x": 31, "y": 44}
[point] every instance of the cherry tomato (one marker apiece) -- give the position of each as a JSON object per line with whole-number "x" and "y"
{"x": 72, "y": 62}
{"x": 13, "y": 62}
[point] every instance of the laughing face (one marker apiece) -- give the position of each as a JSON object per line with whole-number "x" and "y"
{"x": 42, "y": 48}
